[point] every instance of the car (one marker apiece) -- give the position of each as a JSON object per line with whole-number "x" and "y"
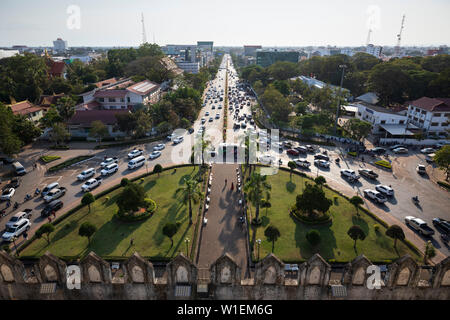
{"x": 55, "y": 205}
{"x": 421, "y": 169}
{"x": 178, "y": 140}
{"x": 321, "y": 157}
{"x": 7, "y": 194}
{"x": 49, "y": 187}
{"x": 13, "y": 183}
{"x": 368, "y": 173}
{"x": 203, "y": 120}
{"x": 302, "y": 163}
{"x": 301, "y": 149}
{"x": 26, "y": 214}
{"x": 213, "y": 107}
{"x": 310, "y": 148}
{"x": 375, "y": 195}
{"x": 348, "y": 173}
{"x": 378, "y": 150}
{"x": 16, "y": 230}
{"x": 135, "y": 153}
{"x": 243, "y": 125}
{"x": 55, "y": 194}
{"x": 190, "y": 130}
{"x": 267, "y": 159}
{"x": 322, "y": 163}
{"x": 400, "y": 150}
{"x": 397, "y": 146}
{"x": 86, "y": 174}
{"x": 154, "y": 154}
{"x": 388, "y": 191}
{"x": 206, "y": 114}
{"x": 442, "y": 224}
{"x": 252, "y": 122}
{"x": 236, "y": 125}
{"x": 91, "y": 184}
{"x": 419, "y": 225}
{"x": 211, "y": 119}
{"x": 112, "y": 168}
{"x": 109, "y": 161}
{"x": 428, "y": 150}
{"x": 217, "y": 116}
{"x": 429, "y": 158}
{"x": 159, "y": 147}
{"x": 288, "y": 145}
{"x": 220, "y": 107}
{"x": 292, "y": 152}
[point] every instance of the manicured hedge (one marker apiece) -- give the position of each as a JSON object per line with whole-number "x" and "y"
{"x": 48, "y": 159}
{"x": 61, "y": 147}
{"x": 444, "y": 184}
{"x": 383, "y": 163}
{"x": 129, "y": 142}
{"x": 69, "y": 163}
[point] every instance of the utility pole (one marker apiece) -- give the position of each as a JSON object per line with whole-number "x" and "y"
{"x": 342, "y": 66}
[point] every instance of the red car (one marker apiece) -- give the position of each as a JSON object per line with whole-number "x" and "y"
{"x": 293, "y": 152}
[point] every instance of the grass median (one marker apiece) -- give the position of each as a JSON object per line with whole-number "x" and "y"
{"x": 68, "y": 163}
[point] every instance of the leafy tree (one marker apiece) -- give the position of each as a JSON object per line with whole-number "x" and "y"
{"x": 190, "y": 192}
{"x": 131, "y": 198}
{"x": 356, "y": 233}
{"x": 356, "y": 201}
{"x": 312, "y": 199}
{"x": 59, "y": 133}
{"x": 390, "y": 81}
{"x": 395, "y": 232}
{"x": 66, "y": 107}
{"x": 126, "y": 122}
{"x": 292, "y": 166}
{"x": 430, "y": 251}
{"x": 272, "y": 233}
{"x": 169, "y": 230}
{"x": 45, "y": 229}
{"x": 50, "y": 118}
{"x": 266, "y": 204}
{"x": 277, "y": 105}
{"x": 442, "y": 159}
{"x": 320, "y": 181}
{"x": 98, "y": 130}
{"x": 358, "y": 129}
{"x": 124, "y": 182}
{"x": 87, "y": 229}
{"x": 283, "y": 70}
{"x": 313, "y": 237}
{"x": 25, "y": 129}
{"x": 364, "y": 61}
{"x": 158, "y": 169}
{"x": 87, "y": 199}
{"x": 143, "y": 123}
{"x": 282, "y": 86}
{"x": 257, "y": 189}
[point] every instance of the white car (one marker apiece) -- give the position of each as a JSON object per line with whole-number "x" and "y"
{"x": 86, "y": 174}
{"x": 155, "y": 154}
{"x": 322, "y": 163}
{"x": 16, "y": 230}
{"x": 428, "y": 150}
{"x": 302, "y": 163}
{"x": 348, "y": 173}
{"x": 267, "y": 159}
{"x": 112, "y": 168}
{"x": 375, "y": 195}
{"x": 159, "y": 147}
{"x": 135, "y": 153}
{"x": 217, "y": 116}
{"x": 400, "y": 150}
{"x": 178, "y": 140}
{"x": 7, "y": 193}
{"x": 388, "y": 191}
{"x": 421, "y": 169}
{"x": 108, "y": 161}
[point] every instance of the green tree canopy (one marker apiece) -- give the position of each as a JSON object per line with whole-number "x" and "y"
{"x": 312, "y": 199}
{"x": 169, "y": 230}
{"x": 45, "y": 229}
{"x": 131, "y": 198}
{"x": 257, "y": 189}
{"x": 442, "y": 159}
{"x": 395, "y": 232}
{"x": 313, "y": 237}
{"x": 272, "y": 234}
{"x": 87, "y": 199}
{"x": 87, "y": 229}
{"x": 356, "y": 233}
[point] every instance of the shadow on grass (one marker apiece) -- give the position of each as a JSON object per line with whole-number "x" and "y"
{"x": 359, "y": 221}
{"x": 290, "y": 186}
{"x": 265, "y": 221}
{"x": 65, "y": 230}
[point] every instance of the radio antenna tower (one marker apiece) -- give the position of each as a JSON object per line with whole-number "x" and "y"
{"x": 368, "y": 37}
{"x": 399, "y": 38}
{"x": 144, "y": 36}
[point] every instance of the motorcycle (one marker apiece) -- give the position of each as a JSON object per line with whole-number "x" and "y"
{"x": 37, "y": 191}
{"x": 16, "y": 205}
{"x": 415, "y": 200}
{"x": 27, "y": 197}
{"x": 337, "y": 160}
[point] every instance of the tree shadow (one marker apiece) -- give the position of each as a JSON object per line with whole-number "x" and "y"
{"x": 264, "y": 221}
{"x": 359, "y": 221}
{"x": 290, "y": 186}
{"x": 65, "y": 230}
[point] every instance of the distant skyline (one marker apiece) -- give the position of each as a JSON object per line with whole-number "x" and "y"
{"x": 281, "y": 23}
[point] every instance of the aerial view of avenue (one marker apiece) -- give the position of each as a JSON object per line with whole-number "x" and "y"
{"x": 196, "y": 151}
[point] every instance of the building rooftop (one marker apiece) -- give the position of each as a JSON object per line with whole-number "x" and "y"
{"x": 24, "y": 107}
{"x": 105, "y": 82}
{"x": 432, "y": 104}
{"x": 110, "y": 93}
{"x": 377, "y": 108}
{"x": 144, "y": 87}
{"x": 85, "y": 117}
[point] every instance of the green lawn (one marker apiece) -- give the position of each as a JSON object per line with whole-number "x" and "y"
{"x": 113, "y": 237}
{"x": 292, "y": 246}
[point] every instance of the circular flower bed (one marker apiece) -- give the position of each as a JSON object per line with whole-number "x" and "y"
{"x": 143, "y": 213}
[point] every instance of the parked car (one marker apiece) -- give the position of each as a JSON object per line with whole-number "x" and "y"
{"x": 388, "y": 191}
{"x": 321, "y": 157}
{"x": 135, "y": 153}
{"x": 302, "y": 163}
{"x": 159, "y": 147}
{"x": 288, "y": 145}
{"x": 310, "y": 148}
{"x": 7, "y": 194}
{"x": 55, "y": 194}
{"x": 348, "y": 173}
{"x": 400, "y": 150}
{"x": 368, "y": 173}
{"x": 109, "y": 161}
{"x": 13, "y": 183}
{"x": 55, "y": 205}
{"x": 49, "y": 187}
{"x": 442, "y": 224}
{"x": 322, "y": 163}
{"x": 378, "y": 150}
{"x": 178, "y": 140}
{"x": 16, "y": 230}
{"x": 91, "y": 184}
{"x": 397, "y": 146}
{"x": 301, "y": 149}
{"x": 155, "y": 154}
{"x": 26, "y": 214}
{"x": 428, "y": 150}
{"x": 421, "y": 169}
{"x": 86, "y": 174}
{"x": 429, "y": 158}
{"x": 293, "y": 152}
{"x": 190, "y": 130}
{"x": 419, "y": 225}
{"x": 112, "y": 168}
{"x": 375, "y": 195}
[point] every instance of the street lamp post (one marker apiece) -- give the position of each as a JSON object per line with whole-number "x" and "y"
{"x": 342, "y": 66}
{"x": 187, "y": 246}
{"x": 258, "y": 241}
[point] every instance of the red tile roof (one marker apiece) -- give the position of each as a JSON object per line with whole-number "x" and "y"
{"x": 432, "y": 104}
{"x": 56, "y": 68}
{"x": 91, "y": 105}
{"x": 85, "y": 117}
{"x": 47, "y": 100}
{"x": 24, "y": 107}
{"x": 144, "y": 87}
{"x": 110, "y": 94}
{"x": 105, "y": 82}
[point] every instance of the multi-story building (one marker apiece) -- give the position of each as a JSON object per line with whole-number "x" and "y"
{"x": 27, "y": 109}
{"x": 374, "y": 50}
{"x": 265, "y": 58}
{"x": 205, "y": 45}
{"x": 59, "y": 45}
{"x": 189, "y": 67}
{"x": 431, "y": 114}
{"x": 250, "y": 51}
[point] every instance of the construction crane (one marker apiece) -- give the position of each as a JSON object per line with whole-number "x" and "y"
{"x": 399, "y": 38}
{"x": 368, "y": 37}
{"x": 144, "y": 36}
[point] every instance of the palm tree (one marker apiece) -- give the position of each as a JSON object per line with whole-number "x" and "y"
{"x": 257, "y": 188}
{"x": 272, "y": 233}
{"x": 190, "y": 192}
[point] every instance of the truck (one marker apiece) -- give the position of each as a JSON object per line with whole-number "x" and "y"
{"x": 419, "y": 225}
{"x": 368, "y": 173}
{"x": 91, "y": 184}
{"x": 55, "y": 194}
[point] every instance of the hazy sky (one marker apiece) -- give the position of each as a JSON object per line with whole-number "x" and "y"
{"x": 226, "y": 22}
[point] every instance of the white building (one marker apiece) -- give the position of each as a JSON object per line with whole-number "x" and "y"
{"x": 59, "y": 45}
{"x": 431, "y": 114}
{"x": 189, "y": 67}
{"x": 8, "y": 53}
{"x": 374, "y": 50}
{"x": 382, "y": 119}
